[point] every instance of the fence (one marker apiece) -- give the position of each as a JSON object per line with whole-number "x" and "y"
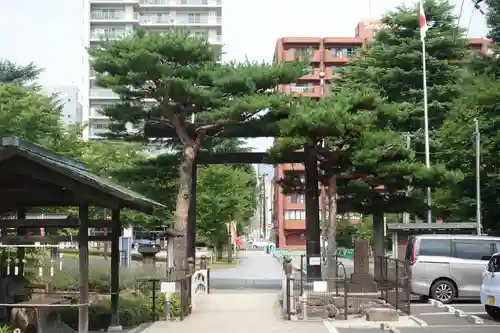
{"x": 306, "y": 297}
{"x": 152, "y": 287}
{"x": 393, "y": 279}
{"x": 187, "y": 288}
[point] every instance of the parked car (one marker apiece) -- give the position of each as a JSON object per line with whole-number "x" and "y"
{"x": 490, "y": 288}
{"x": 447, "y": 267}
{"x": 143, "y": 243}
{"x": 262, "y": 243}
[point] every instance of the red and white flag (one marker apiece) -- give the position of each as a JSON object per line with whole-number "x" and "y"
{"x": 423, "y": 21}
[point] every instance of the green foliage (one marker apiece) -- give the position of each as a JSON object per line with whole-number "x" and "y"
{"x": 99, "y": 279}
{"x": 27, "y": 114}
{"x": 226, "y": 194}
{"x": 134, "y": 310}
{"x": 392, "y": 64}
{"x": 479, "y": 100}
{"x": 361, "y": 149}
{"x": 11, "y": 73}
{"x": 173, "y": 77}
{"x": 183, "y": 75}
{"x": 6, "y": 329}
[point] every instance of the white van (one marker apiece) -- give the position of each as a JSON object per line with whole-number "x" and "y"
{"x": 446, "y": 267}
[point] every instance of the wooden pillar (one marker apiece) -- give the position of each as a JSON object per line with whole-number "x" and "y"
{"x": 313, "y": 228}
{"x": 21, "y": 251}
{"x": 115, "y": 270}
{"x": 83, "y": 258}
{"x": 191, "y": 225}
{"x": 378, "y": 239}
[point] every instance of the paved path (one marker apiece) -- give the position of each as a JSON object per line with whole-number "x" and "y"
{"x": 241, "y": 312}
{"x": 256, "y": 270}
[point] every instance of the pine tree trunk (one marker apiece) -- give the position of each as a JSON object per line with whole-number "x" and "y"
{"x": 229, "y": 249}
{"x": 332, "y": 231}
{"x": 182, "y": 208}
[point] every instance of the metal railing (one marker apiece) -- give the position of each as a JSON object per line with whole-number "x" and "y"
{"x": 393, "y": 279}
{"x": 151, "y": 287}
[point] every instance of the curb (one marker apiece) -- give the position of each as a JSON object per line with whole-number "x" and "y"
{"x": 457, "y": 312}
{"x": 419, "y": 321}
{"x": 140, "y": 328}
{"x": 388, "y": 328}
{"x": 460, "y": 313}
{"x": 475, "y": 320}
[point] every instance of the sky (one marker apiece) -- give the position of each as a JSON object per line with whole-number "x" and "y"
{"x": 50, "y": 32}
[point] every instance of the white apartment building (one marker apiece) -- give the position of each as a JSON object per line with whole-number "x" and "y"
{"x": 108, "y": 19}
{"x": 68, "y": 98}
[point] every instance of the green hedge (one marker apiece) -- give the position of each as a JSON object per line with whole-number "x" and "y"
{"x": 134, "y": 310}
{"x": 135, "y": 256}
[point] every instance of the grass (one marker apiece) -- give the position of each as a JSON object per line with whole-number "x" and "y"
{"x": 217, "y": 264}
{"x": 222, "y": 263}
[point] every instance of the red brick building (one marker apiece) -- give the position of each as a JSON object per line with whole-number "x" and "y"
{"x": 327, "y": 55}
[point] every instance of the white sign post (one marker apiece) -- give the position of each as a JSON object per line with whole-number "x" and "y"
{"x": 168, "y": 288}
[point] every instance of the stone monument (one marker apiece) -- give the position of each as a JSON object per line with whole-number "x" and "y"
{"x": 361, "y": 279}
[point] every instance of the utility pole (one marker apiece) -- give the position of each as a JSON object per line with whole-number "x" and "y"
{"x": 406, "y": 216}
{"x": 105, "y": 215}
{"x": 264, "y": 206}
{"x": 478, "y": 176}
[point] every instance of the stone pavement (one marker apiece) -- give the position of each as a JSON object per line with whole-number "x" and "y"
{"x": 237, "y": 311}
{"x": 256, "y": 270}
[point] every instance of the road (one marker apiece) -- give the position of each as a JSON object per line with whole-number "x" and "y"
{"x": 348, "y": 264}
{"x": 256, "y": 270}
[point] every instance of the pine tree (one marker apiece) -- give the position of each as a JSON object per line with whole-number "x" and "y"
{"x": 173, "y": 77}
{"x": 392, "y": 63}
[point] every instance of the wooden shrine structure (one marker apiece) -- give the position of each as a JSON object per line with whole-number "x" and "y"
{"x": 32, "y": 177}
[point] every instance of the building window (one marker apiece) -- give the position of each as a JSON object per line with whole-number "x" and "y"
{"x": 297, "y": 198}
{"x": 344, "y": 52}
{"x": 194, "y": 18}
{"x": 302, "y": 88}
{"x": 295, "y": 214}
{"x": 200, "y": 34}
{"x": 302, "y": 53}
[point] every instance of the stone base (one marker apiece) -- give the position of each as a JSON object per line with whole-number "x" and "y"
{"x": 115, "y": 328}
{"x": 382, "y": 314}
{"x": 362, "y": 283}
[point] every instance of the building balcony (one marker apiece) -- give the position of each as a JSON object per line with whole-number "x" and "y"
{"x": 290, "y": 55}
{"x": 181, "y": 3}
{"x": 155, "y": 20}
{"x": 199, "y": 21}
{"x": 99, "y": 36}
{"x": 303, "y": 90}
{"x": 313, "y": 75}
{"x": 114, "y": 2}
{"x": 107, "y": 17}
{"x": 329, "y": 56}
{"x": 101, "y": 93}
{"x": 294, "y": 224}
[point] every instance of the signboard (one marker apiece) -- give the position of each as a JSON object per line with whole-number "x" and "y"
{"x": 320, "y": 286}
{"x": 167, "y": 287}
{"x": 315, "y": 261}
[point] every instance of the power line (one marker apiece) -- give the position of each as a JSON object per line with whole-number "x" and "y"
{"x": 477, "y": 6}
{"x": 458, "y": 20}
{"x": 470, "y": 23}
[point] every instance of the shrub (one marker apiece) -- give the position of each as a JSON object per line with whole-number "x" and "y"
{"x": 99, "y": 279}
{"x": 5, "y": 329}
{"x": 134, "y": 310}
{"x": 175, "y": 305}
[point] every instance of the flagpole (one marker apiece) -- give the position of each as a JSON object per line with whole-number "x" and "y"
{"x": 426, "y": 121}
